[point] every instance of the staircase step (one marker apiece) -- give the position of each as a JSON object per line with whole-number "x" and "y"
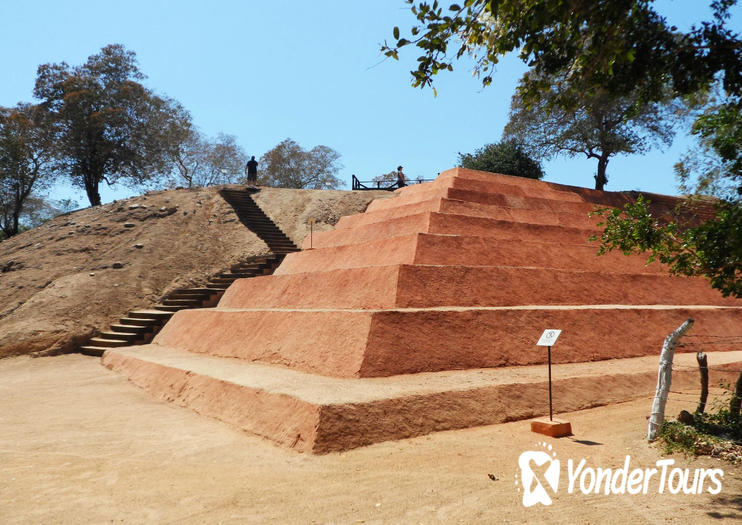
{"x": 237, "y": 275}
{"x": 130, "y": 328}
{"x": 182, "y": 294}
{"x": 150, "y": 314}
{"x": 171, "y": 308}
{"x": 222, "y": 280}
{"x": 139, "y": 321}
{"x": 182, "y": 302}
{"x": 108, "y": 343}
{"x": 95, "y": 351}
{"x": 193, "y": 290}
{"x": 119, "y": 336}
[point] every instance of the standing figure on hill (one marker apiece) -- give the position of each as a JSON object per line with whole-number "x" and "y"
{"x": 251, "y": 169}
{"x": 401, "y": 181}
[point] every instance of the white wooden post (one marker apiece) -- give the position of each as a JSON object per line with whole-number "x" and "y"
{"x": 664, "y": 378}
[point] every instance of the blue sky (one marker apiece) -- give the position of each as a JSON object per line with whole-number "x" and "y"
{"x": 265, "y": 71}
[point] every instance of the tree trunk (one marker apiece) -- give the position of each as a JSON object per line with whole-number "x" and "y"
{"x": 736, "y": 403}
{"x": 664, "y": 379}
{"x": 14, "y": 227}
{"x": 91, "y": 188}
{"x": 704, "y": 369}
{"x": 601, "y": 179}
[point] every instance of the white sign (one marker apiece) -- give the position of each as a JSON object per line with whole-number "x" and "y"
{"x": 549, "y": 337}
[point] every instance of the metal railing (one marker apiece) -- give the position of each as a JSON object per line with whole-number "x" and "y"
{"x": 383, "y": 185}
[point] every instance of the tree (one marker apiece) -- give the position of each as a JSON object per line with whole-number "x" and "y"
{"x": 598, "y": 125}
{"x": 711, "y": 249}
{"x": 714, "y": 165}
{"x": 606, "y": 43}
{"x": 386, "y": 178}
{"x": 287, "y": 165}
{"x": 25, "y": 160}
{"x": 507, "y": 157}
{"x": 202, "y": 162}
{"x": 621, "y": 46}
{"x": 109, "y": 126}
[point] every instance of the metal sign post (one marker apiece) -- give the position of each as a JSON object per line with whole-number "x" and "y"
{"x": 550, "y": 428}
{"x": 548, "y": 338}
{"x": 551, "y": 409}
{"x": 311, "y": 231}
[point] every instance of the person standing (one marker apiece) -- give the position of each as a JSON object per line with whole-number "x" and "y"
{"x": 252, "y": 171}
{"x": 401, "y": 181}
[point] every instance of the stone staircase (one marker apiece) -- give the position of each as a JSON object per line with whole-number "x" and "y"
{"x": 140, "y": 326}
{"x": 256, "y": 220}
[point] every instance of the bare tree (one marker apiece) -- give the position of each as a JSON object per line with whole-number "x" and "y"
{"x": 288, "y": 165}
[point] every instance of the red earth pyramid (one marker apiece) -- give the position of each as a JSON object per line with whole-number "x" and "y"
{"x": 422, "y": 314}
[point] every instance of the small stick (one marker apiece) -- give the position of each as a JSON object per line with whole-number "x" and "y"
{"x": 704, "y": 369}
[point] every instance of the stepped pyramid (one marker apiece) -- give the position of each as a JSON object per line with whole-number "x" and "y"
{"x": 407, "y": 319}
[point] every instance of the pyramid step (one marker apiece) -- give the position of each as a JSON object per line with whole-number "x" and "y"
{"x": 284, "y": 405}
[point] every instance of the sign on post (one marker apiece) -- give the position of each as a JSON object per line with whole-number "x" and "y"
{"x": 552, "y": 427}
{"x": 549, "y": 337}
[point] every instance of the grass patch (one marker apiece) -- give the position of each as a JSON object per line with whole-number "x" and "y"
{"x": 717, "y": 433}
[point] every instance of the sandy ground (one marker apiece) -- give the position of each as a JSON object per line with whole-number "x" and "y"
{"x": 80, "y": 444}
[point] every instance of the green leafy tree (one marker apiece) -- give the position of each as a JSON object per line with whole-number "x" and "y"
{"x": 288, "y": 165}
{"x": 714, "y": 165}
{"x": 711, "y": 249}
{"x": 598, "y": 125}
{"x": 612, "y": 44}
{"x": 622, "y": 47}
{"x": 25, "y": 160}
{"x": 109, "y": 126}
{"x": 507, "y": 157}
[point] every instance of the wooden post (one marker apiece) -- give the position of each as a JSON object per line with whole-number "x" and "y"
{"x": 703, "y": 367}
{"x": 664, "y": 379}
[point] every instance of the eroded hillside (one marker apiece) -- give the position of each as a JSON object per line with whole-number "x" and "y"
{"x": 70, "y": 278}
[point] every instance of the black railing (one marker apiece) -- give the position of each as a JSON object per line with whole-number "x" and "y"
{"x": 382, "y": 185}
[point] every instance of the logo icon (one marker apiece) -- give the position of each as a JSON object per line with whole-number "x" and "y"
{"x": 539, "y": 475}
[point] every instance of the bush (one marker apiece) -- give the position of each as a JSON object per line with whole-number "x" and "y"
{"x": 507, "y": 157}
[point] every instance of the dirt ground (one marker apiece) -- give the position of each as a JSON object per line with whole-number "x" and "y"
{"x": 73, "y": 276}
{"x": 80, "y": 444}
